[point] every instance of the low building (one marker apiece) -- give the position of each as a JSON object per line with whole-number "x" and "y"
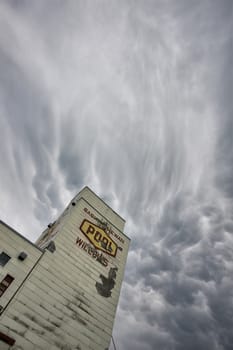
{"x": 63, "y": 291}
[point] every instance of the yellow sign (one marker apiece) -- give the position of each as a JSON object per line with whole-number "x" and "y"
{"x": 98, "y": 237}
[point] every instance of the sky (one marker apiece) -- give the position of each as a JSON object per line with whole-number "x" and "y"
{"x": 135, "y": 100}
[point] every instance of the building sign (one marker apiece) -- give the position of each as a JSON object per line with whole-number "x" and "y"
{"x": 99, "y": 238}
{"x": 102, "y": 223}
{"x": 89, "y": 249}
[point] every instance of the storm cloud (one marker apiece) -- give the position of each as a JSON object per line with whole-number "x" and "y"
{"x": 134, "y": 99}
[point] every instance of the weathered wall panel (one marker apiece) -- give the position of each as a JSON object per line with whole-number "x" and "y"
{"x": 13, "y": 244}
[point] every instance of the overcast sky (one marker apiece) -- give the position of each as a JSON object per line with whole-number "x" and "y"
{"x": 135, "y": 100}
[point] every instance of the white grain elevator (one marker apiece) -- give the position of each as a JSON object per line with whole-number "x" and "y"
{"x": 62, "y": 292}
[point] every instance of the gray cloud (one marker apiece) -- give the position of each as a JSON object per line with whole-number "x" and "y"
{"x": 134, "y": 100}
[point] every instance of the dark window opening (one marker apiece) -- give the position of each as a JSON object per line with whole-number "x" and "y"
{"x": 7, "y": 280}
{"x": 6, "y": 339}
{"x": 4, "y": 258}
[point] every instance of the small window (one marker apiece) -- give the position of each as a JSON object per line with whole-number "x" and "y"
{"x": 7, "y": 280}
{"x": 4, "y": 258}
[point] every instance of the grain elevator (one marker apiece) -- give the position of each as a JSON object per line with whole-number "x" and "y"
{"x": 61, "y": 293}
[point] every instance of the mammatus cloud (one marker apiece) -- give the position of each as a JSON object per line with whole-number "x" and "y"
{"x": 134, "y": 100}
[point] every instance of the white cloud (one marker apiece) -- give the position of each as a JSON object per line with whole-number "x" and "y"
{"x": 128, "y": 98}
